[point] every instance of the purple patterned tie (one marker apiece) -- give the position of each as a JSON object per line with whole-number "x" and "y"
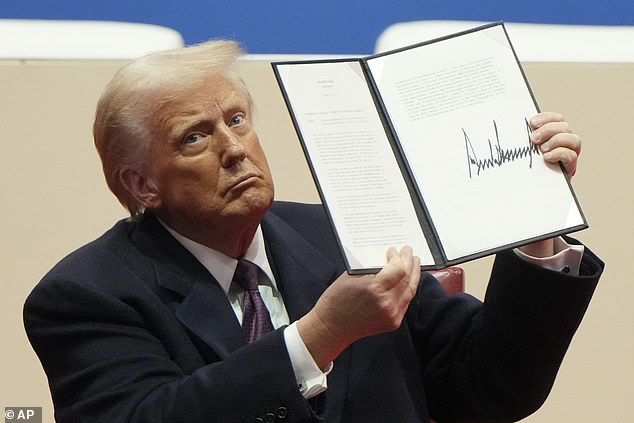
{"x": 256, "y": 321}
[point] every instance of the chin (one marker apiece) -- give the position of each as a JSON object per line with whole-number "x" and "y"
{"x": 256, "y": 203}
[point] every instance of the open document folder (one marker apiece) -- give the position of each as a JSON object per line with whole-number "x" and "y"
{"x": 429, "y": 146}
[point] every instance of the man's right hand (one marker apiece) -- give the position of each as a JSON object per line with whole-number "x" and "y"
{"x": 354, "y": 307}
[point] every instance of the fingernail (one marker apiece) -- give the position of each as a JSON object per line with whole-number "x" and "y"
{"x": 535, "y": 121}
{"x": 533, "y": 138}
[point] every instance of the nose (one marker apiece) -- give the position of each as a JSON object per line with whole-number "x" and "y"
{"x": 232, "y": 148}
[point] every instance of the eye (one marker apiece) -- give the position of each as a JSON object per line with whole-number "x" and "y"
{"x": 237, "y": 120}
{"x": 193, "y": 138}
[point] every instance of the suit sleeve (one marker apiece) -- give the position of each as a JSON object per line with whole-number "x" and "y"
{"x": 498, "y": 360}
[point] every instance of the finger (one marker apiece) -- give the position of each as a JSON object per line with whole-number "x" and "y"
{"x": 560, "y": 138}
{"x": 391, "y": 254}
{"x": 542, "y": 118}
{"x": 401, "y": 258}
{"x": 564, "y": 147}
{"x": 566, "y": 156}
{"x": 398, "y": 267}
{"x": 393, "y": 270}
{"x": 411, "y": 280}
{"x": 406, "y": 254}
{"x": 414, "y": 278}
{"x": 549, "y": 130}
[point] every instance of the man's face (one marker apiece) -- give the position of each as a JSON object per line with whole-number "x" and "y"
{"x": 206, "y": 163}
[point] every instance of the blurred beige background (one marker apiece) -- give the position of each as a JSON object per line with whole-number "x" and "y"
{"x": 54, "y": 199}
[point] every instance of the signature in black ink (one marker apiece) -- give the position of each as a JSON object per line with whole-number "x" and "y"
{"x": 498, "y": 155}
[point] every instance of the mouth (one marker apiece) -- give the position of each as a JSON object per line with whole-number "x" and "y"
{"x": 243, "y": 182}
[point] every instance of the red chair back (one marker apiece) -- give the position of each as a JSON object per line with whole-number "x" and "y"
{"x": 451, "y": 279}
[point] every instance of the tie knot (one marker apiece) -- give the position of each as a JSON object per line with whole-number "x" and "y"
{"x": 246, "y": 275}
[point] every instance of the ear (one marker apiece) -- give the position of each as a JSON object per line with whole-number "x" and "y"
{"x": 140, "y": 187}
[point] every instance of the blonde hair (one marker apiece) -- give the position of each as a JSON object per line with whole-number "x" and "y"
{"x": 125, "y": 112}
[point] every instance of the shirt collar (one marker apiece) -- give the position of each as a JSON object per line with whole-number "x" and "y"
{"x": 220, "y": 265}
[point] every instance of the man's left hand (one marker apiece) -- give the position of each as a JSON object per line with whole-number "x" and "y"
{"x": 556, "y": 140}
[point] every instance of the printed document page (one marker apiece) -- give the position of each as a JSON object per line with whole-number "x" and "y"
{"x": 358, "y": 176}
{"x": 460, "y": 108}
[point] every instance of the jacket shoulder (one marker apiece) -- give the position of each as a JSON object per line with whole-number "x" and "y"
{"x": 311, "y": 222}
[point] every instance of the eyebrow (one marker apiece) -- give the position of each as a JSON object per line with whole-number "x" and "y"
{"x": 176, "y": 124}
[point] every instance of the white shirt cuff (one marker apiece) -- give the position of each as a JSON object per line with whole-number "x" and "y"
{"x": 567, "y": 257}
{"x": 311, "y": 380}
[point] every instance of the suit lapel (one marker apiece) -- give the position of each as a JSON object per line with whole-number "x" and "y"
{"x": 204, "y": 309}
{"x": 302, "y": 273}
{"x": 206, "y": 312}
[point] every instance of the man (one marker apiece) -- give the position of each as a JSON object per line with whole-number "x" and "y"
{"x": 144, "y": 324}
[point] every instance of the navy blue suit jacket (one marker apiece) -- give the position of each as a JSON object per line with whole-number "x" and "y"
{"x": 132, "y": 328}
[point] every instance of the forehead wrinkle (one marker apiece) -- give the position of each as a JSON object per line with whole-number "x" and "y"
{"x": 233, "y": 100}
{"x": 173, "y": 125}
